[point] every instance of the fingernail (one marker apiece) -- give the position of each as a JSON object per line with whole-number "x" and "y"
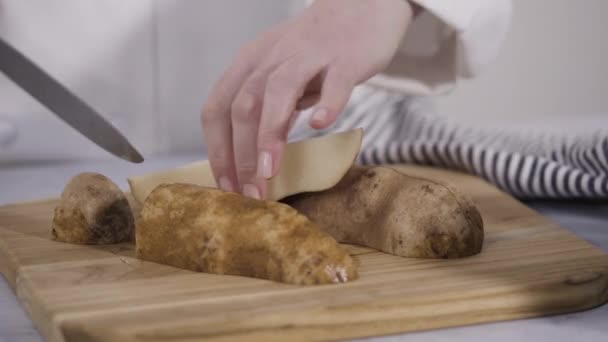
{"x": 252, "y": 191}
{"x": 265, "y": 165}
{"x": 226, "y": 184}
{"x": 320, "y": 116}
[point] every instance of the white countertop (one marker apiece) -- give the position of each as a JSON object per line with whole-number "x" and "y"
{"x": 588, "y": 220}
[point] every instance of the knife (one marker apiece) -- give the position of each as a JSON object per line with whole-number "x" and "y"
{"x": 59, "y": 100}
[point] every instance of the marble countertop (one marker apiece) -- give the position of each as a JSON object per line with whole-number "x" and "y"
{"x": 32, "y": 181}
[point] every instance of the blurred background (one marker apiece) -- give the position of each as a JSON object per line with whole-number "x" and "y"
{"x": 147, "y": 65}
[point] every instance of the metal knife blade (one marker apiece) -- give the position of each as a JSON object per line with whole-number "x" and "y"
{"x": 64, "y": 104}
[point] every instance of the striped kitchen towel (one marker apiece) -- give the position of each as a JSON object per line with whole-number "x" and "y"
{"x": 526, "y": 163}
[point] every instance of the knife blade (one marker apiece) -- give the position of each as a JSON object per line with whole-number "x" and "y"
{"x": 67, "y": 106}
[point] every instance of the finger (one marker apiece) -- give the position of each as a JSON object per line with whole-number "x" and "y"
{"x": 245, "y": 120}
{"x": 336, "y": 90}
{"x": 218, "y": 137}
{"x": 245, "y": 114}
{"x": 217, "y": 127}
{"x": 284, "y": 87}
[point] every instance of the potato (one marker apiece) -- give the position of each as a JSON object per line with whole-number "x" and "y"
{"x": 384, "y": 209}
{"x": 209, "y": 230}
{"x": 92, "y": 210}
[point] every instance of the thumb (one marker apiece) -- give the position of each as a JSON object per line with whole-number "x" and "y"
{"x": 335, "y": 92}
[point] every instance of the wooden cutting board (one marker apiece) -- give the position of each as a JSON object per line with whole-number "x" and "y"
{"x": 529, "y": 267}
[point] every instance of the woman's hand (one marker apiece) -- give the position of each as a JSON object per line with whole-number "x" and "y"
{"x": 316, "y": 58}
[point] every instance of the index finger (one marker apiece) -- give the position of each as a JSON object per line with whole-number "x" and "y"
{"x": 284, "y": 88}
{"x": 217, "y": 127}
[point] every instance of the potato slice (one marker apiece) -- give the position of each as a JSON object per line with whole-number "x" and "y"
{"x": 310, "y": 165}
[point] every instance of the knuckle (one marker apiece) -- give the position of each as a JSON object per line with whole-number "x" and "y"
{"x": 247, "y": 50}
{"x": 268, "y": 138}
{"x": 271, "y": 140}
{"x": 244, "y": 106}
{"x": 219, "y": 157}
{"x": 241, "y": 62}
{"x": 246, "y": 169}
{"x": 210, "y": 115}
{"x": 237, "y": 69}
{"x": 280, "y": 82}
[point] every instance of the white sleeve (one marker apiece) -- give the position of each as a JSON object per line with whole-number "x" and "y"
{"x": 447, "y": 41}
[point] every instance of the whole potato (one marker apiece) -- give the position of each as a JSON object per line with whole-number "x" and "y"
{"x": 384, "y": 209}
{"x": 209, "y": 230}
{"x": 93, "y": 210}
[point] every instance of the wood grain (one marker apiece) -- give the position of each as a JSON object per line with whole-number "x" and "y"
{"x": 529, "y": 267}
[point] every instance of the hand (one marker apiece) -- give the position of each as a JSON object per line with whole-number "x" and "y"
{"x": 316, "y": 58}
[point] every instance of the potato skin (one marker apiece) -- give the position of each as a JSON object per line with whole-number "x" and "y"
{"x": 92, "y": 210}
{"x": 209, "y": 230}
{"x": 384, "y": 209}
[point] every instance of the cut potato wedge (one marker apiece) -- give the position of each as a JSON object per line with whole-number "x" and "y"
{"x": 309, "y": 165}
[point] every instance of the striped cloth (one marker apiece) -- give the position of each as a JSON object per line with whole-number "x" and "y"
{"x": 528, "y": 164}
